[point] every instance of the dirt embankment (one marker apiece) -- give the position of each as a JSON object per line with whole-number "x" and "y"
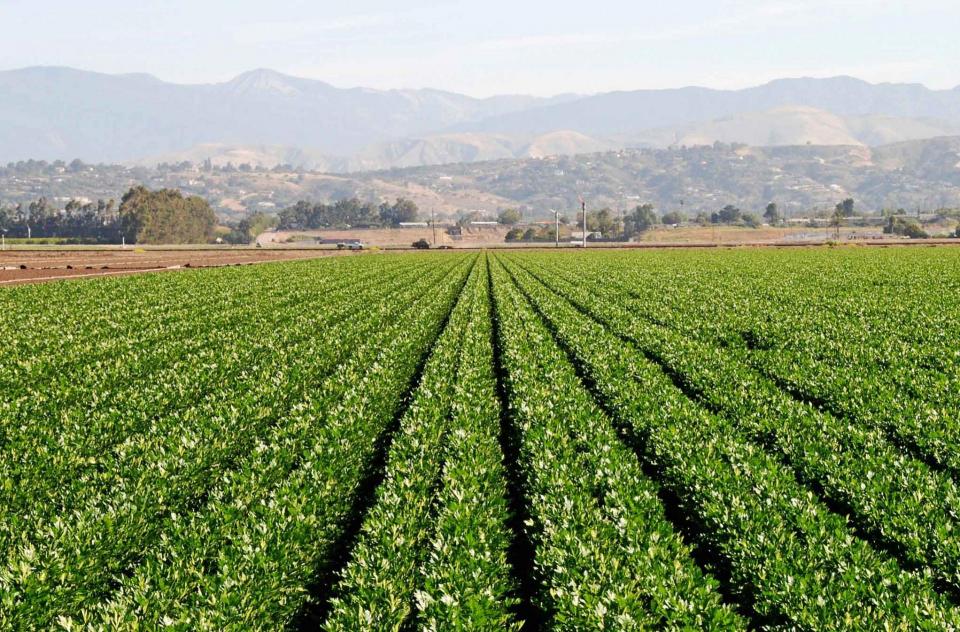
{"x": 24, "y": 266}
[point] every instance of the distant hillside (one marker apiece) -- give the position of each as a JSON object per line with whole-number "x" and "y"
{"x": 912, "y": 175}
{"x": 780, "y": 127}
{"x": 220, "y": 155}
{"x": 265, "y": 117}
{"x": 798, "y": 125}
{"x": 437, "y": 149}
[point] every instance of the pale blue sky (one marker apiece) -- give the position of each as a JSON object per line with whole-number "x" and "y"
{"x": 494, "y": 46}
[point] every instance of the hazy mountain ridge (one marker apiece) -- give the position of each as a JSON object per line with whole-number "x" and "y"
{"x": 61, "y": 113}
{"x": 624, "y": 112}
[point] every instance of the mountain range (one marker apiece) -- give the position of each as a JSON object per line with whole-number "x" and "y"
{"x": 267, "y": 118}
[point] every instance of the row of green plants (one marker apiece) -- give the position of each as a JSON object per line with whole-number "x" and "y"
{"x": 56, "y": 413}
{"x": 606, "y": 556}
{"x": 869, "y": 336}
{"x": 58, "y": 334}
{"x": 786, "y": 557}
{"x": 466, "y": 579}
{"x": 250, "y": 556}
{"x": 68, "y": 451}
{"x": 179, "y": 482}
{"x": 898, "y": 501}
{"x": 390, "y": 579}
{"x": 513, "y": 441}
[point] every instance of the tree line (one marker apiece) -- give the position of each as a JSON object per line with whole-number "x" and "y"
{"x": 143, "y": 217}
{"x": 611, "y": 225}
{"x": 80, "y": 220}
{"x": 347, "y": 213}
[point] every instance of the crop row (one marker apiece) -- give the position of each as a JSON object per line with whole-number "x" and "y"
{"x": 606, "y": 557}
{"x": 119, "y": 360}
{"x": 794, "y": 562}
{"x": 570, "y": 441}
{"x": 121, "y": 319}
{"x": 75, "y": 453}
{"x": 434, "y": 543}
{"x": 185, "y": 480}
{"x": 248, "y": 557}
{"x": 897, "y": 500}
{"x": 885, "y": 359}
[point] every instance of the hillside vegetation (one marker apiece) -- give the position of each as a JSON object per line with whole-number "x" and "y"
{"x": 802, "y": 179}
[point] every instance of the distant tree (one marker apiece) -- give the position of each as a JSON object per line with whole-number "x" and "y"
{"x": 905, "y": 226}
{"x": 772, "y": 213}
{"x": 603, "y": 221}
{"x": 845, "y": 208}
{"x": 841, "y": 211}
{"x": 729, "y": 214}
{"x": 165, "y": 217}
{"x": 549, "y": 233}
{"x": 6, "y": 218}
{"x": 464, "y": 219}
{"x": 347, "y": 212}
{"x": 421, "y": 244}
{"x": 250, "y": 227}
{"x": 509, "y": 217}
{"x": 530, "y": 234}
{"x": 40, "y": 208}
{"x": 401, "y": 211}
{"x": 514, "y": 234}
{"x": 751, "y": 220}
{"x": 673, "y": 218}
{"x": 957, "y": 232}
{"x": 641, "y": 219}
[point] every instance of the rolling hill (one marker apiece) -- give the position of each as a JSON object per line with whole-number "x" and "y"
{"x": 798, "y": 125}
{"x": 922, "y": 174}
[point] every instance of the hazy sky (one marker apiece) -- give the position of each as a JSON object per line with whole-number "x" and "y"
{"x": 493, "y": 46}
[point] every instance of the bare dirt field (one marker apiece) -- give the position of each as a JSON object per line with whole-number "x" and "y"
{"x": 494, "y": 236}
{"x": 763, "y": 235}
{"x": 42, "y": 264}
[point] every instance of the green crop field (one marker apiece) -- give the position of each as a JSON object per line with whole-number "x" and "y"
{"x": 617, "y": 440}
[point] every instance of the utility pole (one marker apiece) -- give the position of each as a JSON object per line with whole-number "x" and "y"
{"x": 433, "y": 223}
{"x": 620, "y": 215}
{"x": 556, "y": 235}
{"x": 583, "y": 210}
